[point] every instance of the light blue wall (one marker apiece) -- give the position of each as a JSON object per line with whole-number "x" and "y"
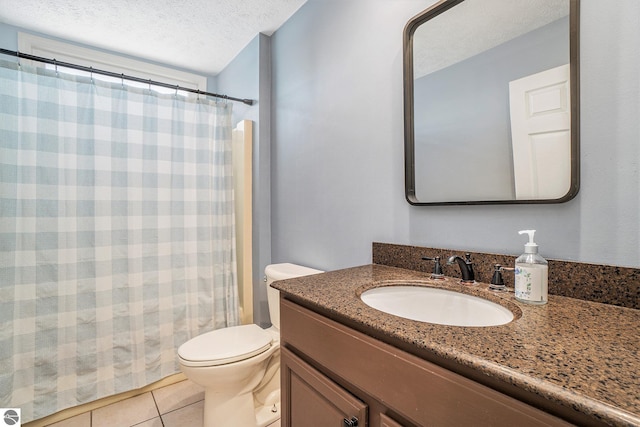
{"x": 337, "y": 159}
{"x": 337, "y": 145}
{"x": 8, "y": 38}
{"x": 241, "y": 77}
{"x": 249, "y": 76}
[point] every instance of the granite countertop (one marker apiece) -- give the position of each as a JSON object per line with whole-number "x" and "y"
{"x": 578, "y": 354}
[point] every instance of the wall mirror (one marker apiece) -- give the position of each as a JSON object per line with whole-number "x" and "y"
{"x": 491, "y": 102}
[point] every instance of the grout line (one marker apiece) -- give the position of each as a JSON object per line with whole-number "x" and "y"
{"x": 150, "y": 419}
{"x": 153, "y": 396}
{"x": 182, "y": 407}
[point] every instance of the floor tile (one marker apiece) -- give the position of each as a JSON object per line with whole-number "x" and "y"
{"x": 275, "y": 424}
{"x": 82, "y": 420}
{"x": 189, "y": 416}
{"x": 126, "y": 413}
{"x": 176, "y": 396}
{"x": 155, "y": 422}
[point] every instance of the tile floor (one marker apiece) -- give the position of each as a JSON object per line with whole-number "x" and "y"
{"x": 176, "y": 405}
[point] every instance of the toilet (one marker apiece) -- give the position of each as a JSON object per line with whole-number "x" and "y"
{"x": 239, "y": 366}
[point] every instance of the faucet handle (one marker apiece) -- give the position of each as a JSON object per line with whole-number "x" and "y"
{"x": 497, "y": 284}
{"x": 437, "y": 267}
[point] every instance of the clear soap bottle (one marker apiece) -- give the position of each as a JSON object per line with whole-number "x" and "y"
{"x": 531, "y": 274}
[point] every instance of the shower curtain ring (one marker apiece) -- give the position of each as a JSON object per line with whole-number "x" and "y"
{"x": 177, "y": 87}
{"x": 122, "y": 80}
{"x": 55, "y": 64}
{"x": 91, "y": 73}
{"x": 149, "y": 85}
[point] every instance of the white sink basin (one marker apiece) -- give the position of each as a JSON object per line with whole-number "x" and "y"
{"x": 436, "y": 305}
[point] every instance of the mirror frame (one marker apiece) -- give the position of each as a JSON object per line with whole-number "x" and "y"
{"x": 409, "y": 137}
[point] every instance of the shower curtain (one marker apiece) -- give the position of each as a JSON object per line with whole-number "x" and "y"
{"x": 116, "y": 235}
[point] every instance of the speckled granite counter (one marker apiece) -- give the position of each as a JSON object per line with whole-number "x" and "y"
{"x": 573, "y": 353}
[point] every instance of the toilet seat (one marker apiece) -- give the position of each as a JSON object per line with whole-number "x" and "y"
{"x": 224, "y": 346}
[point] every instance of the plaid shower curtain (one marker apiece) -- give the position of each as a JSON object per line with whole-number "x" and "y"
{"x": 116, "y": 235}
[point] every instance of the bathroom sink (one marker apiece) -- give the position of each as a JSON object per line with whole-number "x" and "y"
{"x": 435, "y": 305}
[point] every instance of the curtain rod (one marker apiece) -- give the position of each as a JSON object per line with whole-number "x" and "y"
{"x": 119, "y": 76}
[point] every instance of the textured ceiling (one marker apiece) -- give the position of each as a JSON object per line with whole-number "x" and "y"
{"x": 477, "y": 25}
{"x": 200, "y": 35}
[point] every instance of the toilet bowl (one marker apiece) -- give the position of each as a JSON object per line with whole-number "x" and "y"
{"x": 239, "y": 366}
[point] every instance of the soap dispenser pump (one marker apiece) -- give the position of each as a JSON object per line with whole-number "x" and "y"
{"x": 531, "y": 274}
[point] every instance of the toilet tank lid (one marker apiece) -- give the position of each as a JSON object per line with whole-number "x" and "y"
{"x": 226, "y": 345}
{"x": 288, "y": 271}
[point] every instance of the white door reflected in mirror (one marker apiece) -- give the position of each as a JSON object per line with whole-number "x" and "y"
{"x": 541, "y": 134}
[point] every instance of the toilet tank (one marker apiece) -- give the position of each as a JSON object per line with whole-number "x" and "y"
{"x": 282, "y": 271}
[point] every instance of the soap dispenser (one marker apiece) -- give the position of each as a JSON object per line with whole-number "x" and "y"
{"x": 531, "y": 274}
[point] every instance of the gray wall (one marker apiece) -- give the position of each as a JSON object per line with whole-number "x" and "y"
{"x": 337, "y": 153}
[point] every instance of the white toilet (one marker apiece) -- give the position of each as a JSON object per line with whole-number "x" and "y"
{"x": 239, "y": 366}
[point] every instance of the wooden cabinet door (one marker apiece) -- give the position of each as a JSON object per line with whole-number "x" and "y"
{"x": 312, "y": 400}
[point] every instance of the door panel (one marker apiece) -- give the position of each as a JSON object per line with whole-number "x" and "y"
{"x": 311, "y": 399}
{"x": 541, "y": 134}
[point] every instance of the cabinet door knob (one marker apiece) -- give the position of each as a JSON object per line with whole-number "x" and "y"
{"x": 353, "y": 422}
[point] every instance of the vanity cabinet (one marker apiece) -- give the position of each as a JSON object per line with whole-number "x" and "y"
{"x": 332, "y": 374}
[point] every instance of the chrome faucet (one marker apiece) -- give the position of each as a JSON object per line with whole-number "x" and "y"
{"x": 466, "y": 267}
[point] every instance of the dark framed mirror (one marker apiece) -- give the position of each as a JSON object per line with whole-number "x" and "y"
{"x": 491, "y": 94}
